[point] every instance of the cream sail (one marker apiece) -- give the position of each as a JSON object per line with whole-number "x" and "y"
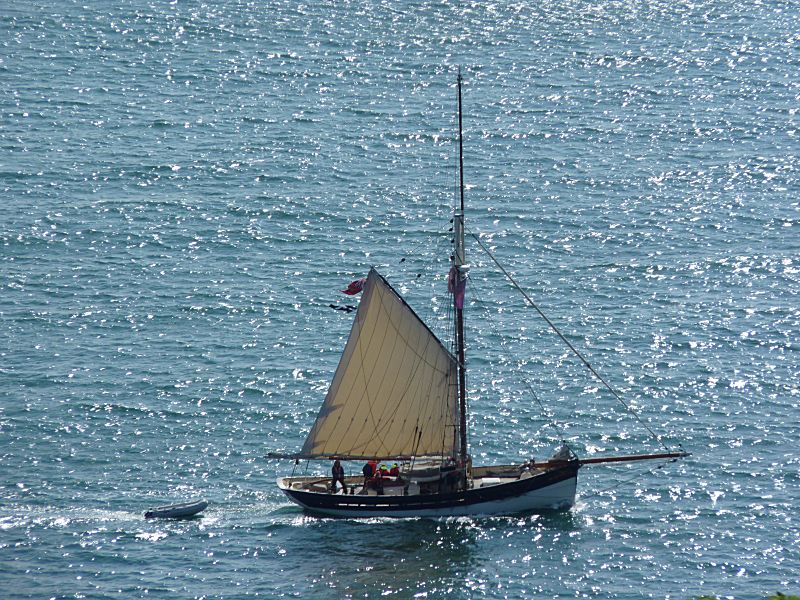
{"x": 394, "y": 392}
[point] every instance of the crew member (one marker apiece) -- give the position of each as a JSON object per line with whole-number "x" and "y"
{"x": 368, "y": 472}
{"x": 337, "y": 471}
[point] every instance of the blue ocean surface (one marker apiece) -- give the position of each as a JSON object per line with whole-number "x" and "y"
{"x": 187, "y": 185}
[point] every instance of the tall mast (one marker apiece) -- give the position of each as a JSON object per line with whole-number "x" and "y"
{"x": 460, "y": 281}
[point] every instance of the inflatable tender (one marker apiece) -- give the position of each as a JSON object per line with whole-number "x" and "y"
{"x": 176, "y": 511}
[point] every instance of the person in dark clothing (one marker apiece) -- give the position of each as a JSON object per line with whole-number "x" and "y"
{"x": 338, "y": 475}
{"x": 368, "y": 472}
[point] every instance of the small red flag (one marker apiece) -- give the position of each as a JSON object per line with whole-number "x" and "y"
{"x": 456, "y": 286}
{"x": 355, "y": 287}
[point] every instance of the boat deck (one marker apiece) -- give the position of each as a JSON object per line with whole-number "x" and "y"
{"x": 482, "y": 477}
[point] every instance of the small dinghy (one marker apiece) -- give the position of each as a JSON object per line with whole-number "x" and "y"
{"x": 176, "y": 511}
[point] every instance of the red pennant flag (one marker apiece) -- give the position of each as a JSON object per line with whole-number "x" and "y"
{"x": 355, "y": 287}
{"x": 456, "y": 286}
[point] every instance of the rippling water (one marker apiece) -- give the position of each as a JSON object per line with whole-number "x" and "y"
{"x": 187, "y": 185}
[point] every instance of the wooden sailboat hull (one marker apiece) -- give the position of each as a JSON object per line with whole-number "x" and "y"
{"x": 553, "y": 489}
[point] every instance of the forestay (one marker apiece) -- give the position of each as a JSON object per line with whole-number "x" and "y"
{"x": 394, "y": 391}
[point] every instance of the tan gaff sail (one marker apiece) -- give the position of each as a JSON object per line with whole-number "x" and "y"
{"x": 393, "y": 393}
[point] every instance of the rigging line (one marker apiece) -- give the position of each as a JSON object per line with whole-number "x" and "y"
{"x": 415, "y": 251}
{"x": 569, "y": 345}
{"x": 619, "y": 484}
{"x": 545, "y": 413}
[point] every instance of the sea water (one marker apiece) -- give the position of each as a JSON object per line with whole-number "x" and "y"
{"x": 186, "y": 186}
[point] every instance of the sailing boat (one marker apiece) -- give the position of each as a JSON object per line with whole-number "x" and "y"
{"x": 399, "y": 397}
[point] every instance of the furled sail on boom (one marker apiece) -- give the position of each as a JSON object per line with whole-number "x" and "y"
{"x": 394, "y": 391}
